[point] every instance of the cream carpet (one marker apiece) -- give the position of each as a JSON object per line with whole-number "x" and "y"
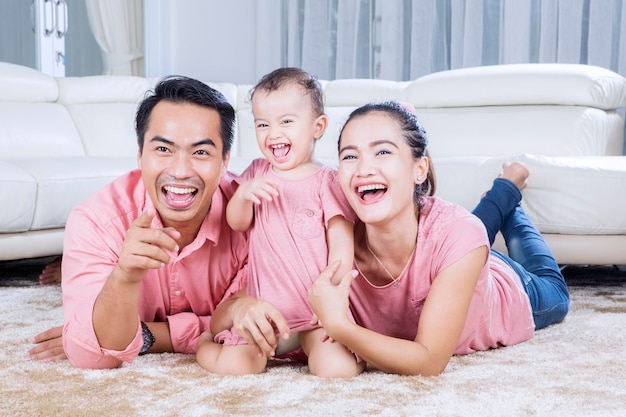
{"x": 576, "y": 368}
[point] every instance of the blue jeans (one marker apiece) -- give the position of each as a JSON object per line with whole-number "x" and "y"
{"x": 529, "y": 255}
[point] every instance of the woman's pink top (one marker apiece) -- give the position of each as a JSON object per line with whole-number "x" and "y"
{"x": 500, "y": 312}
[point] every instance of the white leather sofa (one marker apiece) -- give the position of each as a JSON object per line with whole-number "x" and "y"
{"x": 63, "y": 138}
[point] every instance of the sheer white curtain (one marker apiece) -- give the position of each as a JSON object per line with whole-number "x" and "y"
{"x": 117, "y": 26}
{"x": 402, "y": 40}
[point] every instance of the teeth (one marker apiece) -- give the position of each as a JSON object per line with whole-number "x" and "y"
{"x": 177, "y": 190}
{"x": 281, "y": 145}
{"x": 371, "y": 187}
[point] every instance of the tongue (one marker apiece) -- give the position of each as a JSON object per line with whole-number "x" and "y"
{"x": 372, "y": 195}
{"x": 281, "y": 152}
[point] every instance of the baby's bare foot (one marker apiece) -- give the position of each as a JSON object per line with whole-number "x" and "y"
{"x": 517, "y": 173}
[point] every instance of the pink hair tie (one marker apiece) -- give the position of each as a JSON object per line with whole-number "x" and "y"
{"x": 407, "y": 106}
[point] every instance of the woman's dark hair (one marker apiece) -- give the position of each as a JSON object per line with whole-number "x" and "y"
{"x": 413, "y": 133}
{"x": 290, "y": 75}
{"x": 179, "y": 89}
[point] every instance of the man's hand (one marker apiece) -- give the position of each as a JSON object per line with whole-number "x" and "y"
{"x": 48, "y": 346}
{"x": 145, "y": 247}
{"x": 258, "y": 322}
{"x": 116, "y": 308}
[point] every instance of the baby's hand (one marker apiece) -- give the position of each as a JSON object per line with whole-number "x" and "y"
{"x": 257, "y": 189}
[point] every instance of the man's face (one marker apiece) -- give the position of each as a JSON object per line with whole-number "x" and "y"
{"x": 182, "y": 162}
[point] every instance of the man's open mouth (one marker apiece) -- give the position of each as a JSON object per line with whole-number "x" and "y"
{"x": 179, "y": 194}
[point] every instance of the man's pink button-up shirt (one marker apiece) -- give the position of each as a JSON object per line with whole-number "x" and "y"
{"x": 184, "y": 292}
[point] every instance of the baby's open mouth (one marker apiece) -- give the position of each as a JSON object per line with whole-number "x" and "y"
{"x": 280, "y": 150}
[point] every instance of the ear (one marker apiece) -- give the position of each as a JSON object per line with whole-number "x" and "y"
{"x": 139, "y": 159}
{"x": 225, "y": 162}
{"x": 420, "y": 170}
{"x": 321, "y": 123}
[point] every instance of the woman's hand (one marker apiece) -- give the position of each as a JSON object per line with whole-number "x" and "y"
{"x": 258, "y": 322}
{"x": 49, "y": 346}
{"x": 330, "y": 302}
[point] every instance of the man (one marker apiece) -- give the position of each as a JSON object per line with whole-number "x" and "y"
{"x": 148, "y": 258}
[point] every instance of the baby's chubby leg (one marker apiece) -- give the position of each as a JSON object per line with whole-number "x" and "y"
{"x": 327, "y": 358}
{"x": 228, "y": 359}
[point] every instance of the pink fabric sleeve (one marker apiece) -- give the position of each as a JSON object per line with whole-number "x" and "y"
{"x": 460, "y": 236}
{"x": 186, "y": 328}
{"x": 335, "y": 202}
{"x": 88, "y": 259}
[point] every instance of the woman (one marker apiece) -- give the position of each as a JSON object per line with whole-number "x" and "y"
{"x": 426, "y": 284}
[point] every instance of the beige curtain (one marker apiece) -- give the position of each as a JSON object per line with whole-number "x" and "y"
{"x": 117, "y": 26}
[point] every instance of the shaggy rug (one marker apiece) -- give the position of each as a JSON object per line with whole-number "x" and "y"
{"x": 575, "y": 368}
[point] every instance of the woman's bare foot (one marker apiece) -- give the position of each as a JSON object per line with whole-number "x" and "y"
{"x": 517, "y": 173}
{"x": 51, "y": 273}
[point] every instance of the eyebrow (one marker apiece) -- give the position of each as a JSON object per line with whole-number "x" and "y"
{"x": 207, "y": 141}
{"x": 371, "y": 145}
{"x": 282, "y": 116}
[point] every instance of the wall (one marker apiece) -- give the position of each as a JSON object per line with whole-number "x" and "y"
{"x": 206, "y": 39}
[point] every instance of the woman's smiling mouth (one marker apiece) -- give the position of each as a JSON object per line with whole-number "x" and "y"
{"x": 371, "y": 192}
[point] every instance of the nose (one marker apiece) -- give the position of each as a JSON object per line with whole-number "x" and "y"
{"x": 365, "y": 166}
{"x": 180, "y": 167}
{"x": 274, "y": 132}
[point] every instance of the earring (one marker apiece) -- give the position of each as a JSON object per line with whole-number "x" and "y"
{"x": 419, "y": 179}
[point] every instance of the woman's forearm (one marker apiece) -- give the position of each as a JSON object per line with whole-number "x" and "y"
{"x": 389, "y": 354}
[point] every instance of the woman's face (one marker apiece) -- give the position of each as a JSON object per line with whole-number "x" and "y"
{"x": 377, "y": 171}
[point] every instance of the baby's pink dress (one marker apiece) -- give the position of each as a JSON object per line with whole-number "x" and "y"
{"x": 288, "y": 247}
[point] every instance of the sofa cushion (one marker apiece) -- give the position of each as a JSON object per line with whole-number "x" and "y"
{"x": 577, "y": 195}
{"x": 517, "y": 84}
{"x": 18, "y": 195}
{"x": 565, "y": 195}
{"x": 37, "y": 130}
{"x": 65, "y": 182}
{"x": 102, "y": 89}
{"x": 106, "y": 129}
{"x": 19, "y": 84}
{"x": 546, "y": 130}
{"x": 103, "y": 111}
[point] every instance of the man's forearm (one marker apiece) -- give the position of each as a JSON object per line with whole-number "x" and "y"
{"x": 162, "y": 339}
{"x": 115, "y": 312}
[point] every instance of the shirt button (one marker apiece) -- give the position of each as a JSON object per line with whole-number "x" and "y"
{"x": 177, "y": 293}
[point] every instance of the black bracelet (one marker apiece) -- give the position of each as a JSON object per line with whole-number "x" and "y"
{"x": 148, "y": 339}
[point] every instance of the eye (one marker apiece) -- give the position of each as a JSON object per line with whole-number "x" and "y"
{"x": 348, "y": 156}
{"x": 383, "y": 152}
{"x": 162, "y": 149}
{"x": 261, "y": 125}
{"x": 287, "y": 121}
{"x": 205, "y": 153}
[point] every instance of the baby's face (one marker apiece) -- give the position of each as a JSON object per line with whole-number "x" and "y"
{"x": 286, "y": 126}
